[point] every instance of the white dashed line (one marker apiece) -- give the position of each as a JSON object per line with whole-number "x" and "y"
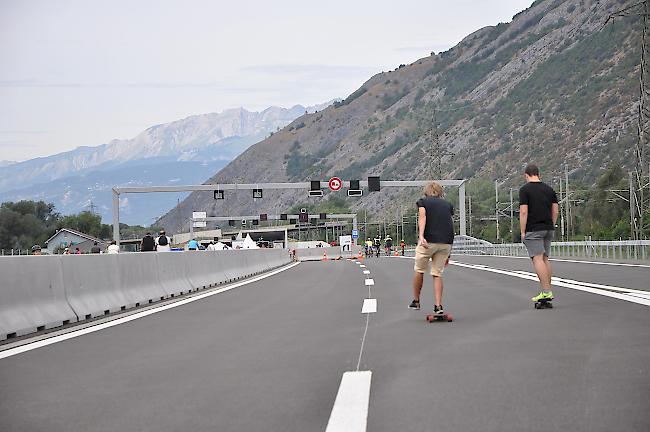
{"x": 350, "y": 411}
{"x": 370, "y": 282}
{"x": 369, "y": 306}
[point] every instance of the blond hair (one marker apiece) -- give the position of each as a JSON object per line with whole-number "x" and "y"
{"x": 433, "y": 189}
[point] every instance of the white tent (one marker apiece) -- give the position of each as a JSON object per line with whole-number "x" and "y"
{"x": 249, "y": 243}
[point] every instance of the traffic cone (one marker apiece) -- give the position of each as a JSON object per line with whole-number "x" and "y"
{"x": 325, "y": 256}
{"x": 360, "y": 256}
{"x": 396, "y": 254}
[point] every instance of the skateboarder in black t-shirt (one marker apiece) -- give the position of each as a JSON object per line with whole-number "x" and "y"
{"x": 538, "y": 211}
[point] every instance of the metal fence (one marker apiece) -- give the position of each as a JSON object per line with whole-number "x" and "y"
{"x": 14, "y": 252}
{"x": 638, "y": 250}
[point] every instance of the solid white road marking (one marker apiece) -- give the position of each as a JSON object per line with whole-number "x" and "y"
{"x": 366, "y": 272}
{"x": 73, "y": 334}
{"x": 562, "y": 260}
{"x": 556, "y": 282}
{"x": 370, "y": 282}
{"x": 350, "y": 411}
{"x": 369, "y": 306}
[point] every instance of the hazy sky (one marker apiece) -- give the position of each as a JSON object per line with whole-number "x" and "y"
{"x": 83, "y": 72}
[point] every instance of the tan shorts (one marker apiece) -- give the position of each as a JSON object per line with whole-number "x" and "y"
{"x": 437, "y": 253}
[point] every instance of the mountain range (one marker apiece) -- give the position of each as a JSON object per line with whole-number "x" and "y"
{"x": 554, "y": 86}
{"x": 186, "y": 151}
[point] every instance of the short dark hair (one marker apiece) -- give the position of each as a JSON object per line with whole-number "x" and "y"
{"x": 532, "y": 170}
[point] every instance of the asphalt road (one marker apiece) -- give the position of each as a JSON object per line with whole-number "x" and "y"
{"x": 270, "y": 355}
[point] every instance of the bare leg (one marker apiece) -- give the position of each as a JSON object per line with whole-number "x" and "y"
{"x": 542, "y": 271}
{"x": 437, "y": 289}
{"x": 417, "y": 285}
{"x": 549, "y": 271}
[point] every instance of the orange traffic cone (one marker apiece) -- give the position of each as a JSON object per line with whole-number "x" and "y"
{"x": 396, "y": 254}
{"x": 325, "y": 256}
{"x": 360, "y": 258}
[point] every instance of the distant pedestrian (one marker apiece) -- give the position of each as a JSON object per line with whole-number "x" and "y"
{"x": 163, "y": 242}
{"x": 402, "y": 245}
{"x": 36, "y": 250}
{"x": 77, "y": 251}
{"x": 95, "y": 249}
{"x": 66, "y": 251}
{"x": 388, "y": 245}
{"x": 113, "y": 248}
{"x": 436, "y": 235}
{"x": 192, "y": 245}
{"x": 148, "y": 243}
{"x": 538, "y": 212}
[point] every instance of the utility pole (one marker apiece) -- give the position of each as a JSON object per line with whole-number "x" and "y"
{"x": 642, "y": 145}
{"x": 512, "y": 219}
{"x": 562, "y": 208}
{"x": 471, "y": 232}
{"x": 568, "y": 202}
{"x": 496, "y": 205}
{"x": 632, "y": 208}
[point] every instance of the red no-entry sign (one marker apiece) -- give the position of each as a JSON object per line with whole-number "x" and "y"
{"x": 335, "y": 184}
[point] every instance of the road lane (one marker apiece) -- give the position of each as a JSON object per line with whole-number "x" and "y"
{"x": 267, "y": 356}
{"x": 502, "y": 365}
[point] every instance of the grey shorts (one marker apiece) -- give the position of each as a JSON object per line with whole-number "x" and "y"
{"x": 539, "y": 242}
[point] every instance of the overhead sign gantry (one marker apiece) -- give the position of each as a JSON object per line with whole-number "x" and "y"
{"x": 374, "y": 184}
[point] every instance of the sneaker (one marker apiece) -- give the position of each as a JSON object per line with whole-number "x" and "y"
{"x": 543, "y": 296}
{"x": 415, "y": 304}
{"x": 438, "y": 310}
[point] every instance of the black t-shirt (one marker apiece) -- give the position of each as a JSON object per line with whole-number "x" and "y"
{"x": 95, "y": 249}
{"x": 439, "y": 227}
{"x": 148, "y": 244}
{"x": 539, "y": 197}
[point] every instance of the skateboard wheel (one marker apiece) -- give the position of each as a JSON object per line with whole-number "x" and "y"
{"x": 450, "y": 318}
{"x": 537, "y": 305}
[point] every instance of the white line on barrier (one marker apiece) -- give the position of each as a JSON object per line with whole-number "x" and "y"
{"x": 370, "y": 282}
{"x": 350, "y": 411}
{"x": 369, "y": 306}
{"x": 75, "y": 333}
{"x": 556, "y": 282}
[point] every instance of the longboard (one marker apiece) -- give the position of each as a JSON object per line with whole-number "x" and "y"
{"x": 544, "y": 304}
{"x": 445, "y": 317}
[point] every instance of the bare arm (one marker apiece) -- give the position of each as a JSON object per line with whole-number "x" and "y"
{"x": 555, "y": 210}
{"x": 523, "y": 218}
{"x": 422, "y": 222}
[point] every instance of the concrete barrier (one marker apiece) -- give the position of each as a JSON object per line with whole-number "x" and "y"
{"x": 140, "y": 278}
{"x": 92, "y": 284}
{"x": 173, "y": 273}
{"x": 43, "y": 292}
{"x": 333, "y": 252}
{"x": 31, "y": 295}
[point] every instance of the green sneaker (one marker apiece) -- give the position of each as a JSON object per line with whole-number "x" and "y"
{"x": 548, "y": 296}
